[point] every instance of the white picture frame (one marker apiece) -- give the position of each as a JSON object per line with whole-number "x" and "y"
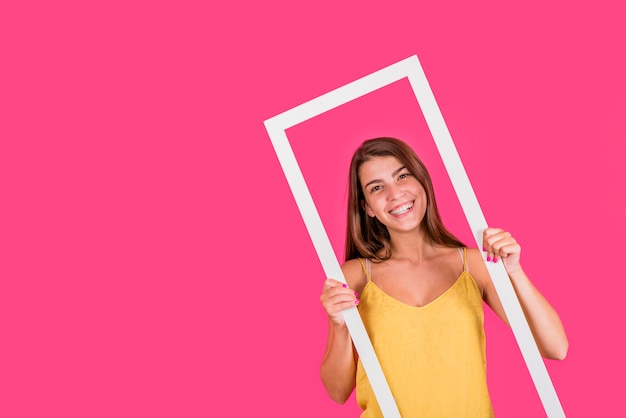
{"x": 411, "y": 69}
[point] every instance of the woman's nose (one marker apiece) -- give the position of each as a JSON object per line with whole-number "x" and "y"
{"x": 394, "y": 191}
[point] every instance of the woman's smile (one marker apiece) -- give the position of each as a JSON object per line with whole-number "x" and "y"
{"x": 403, "y": 209}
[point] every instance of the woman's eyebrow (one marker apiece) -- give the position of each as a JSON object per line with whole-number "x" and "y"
{"x": 378, "y": 180}
{"x": 372, "y": 182}
{"x": 397, "y": 171}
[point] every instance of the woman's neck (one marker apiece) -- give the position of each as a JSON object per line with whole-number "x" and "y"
{"x": 413, "y": 246}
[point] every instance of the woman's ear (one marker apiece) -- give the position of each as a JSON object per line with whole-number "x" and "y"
{"x": 367, "y": 209}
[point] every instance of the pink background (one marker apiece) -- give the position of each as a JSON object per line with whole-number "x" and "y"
{"x": 153, "y": 261}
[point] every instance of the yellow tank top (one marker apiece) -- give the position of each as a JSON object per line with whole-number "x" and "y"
{"x": 433, "y": 356}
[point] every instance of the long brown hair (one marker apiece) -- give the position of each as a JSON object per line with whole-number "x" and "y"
{"x": 367, "y": 236}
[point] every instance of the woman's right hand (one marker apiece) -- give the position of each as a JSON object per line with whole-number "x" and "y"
{"x": 337, "y": 296}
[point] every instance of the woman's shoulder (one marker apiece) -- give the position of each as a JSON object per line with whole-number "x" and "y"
{"x": 475, "y": 259}
{"x": 472, "y": 253}
{"x": 354, "y": 273}
{"x": 477, "y": 268}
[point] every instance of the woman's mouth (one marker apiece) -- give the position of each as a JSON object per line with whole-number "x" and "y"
{"x": 402, "y": 209}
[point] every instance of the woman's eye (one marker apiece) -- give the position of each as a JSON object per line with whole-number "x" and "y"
{"x": 403, "y": 176}
{"x": 375, "y": 188}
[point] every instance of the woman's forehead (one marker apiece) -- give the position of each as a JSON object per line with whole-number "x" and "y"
{"x": 379, "y": 167}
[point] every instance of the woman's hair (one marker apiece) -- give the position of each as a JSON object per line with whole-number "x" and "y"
{"x": 367, "y": 236}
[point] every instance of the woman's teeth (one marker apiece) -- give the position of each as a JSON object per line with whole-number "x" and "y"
{"x": 402, "y": 209}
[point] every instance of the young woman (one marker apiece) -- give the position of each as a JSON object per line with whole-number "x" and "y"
{"x": 419, "y": 291}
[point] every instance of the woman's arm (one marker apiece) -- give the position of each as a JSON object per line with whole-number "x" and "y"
{"x": 338, "y": 369}
{"x": 543, "y": 320}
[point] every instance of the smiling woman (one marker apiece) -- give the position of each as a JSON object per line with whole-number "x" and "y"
{"x": 420, "y": 304}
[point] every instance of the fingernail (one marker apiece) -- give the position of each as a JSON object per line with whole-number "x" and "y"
{"x": 484, "y": 249}
{"x": 495, "y": 259}
{"x": 356, "y": 302}
{"x": 344, "y": 285}
{"x": 356, "y": 294}
{"x": 488, "y": 258}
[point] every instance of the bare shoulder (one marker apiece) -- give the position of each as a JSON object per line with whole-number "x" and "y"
{"x": 354, "y": 274}
{"x": 477, "y": 268}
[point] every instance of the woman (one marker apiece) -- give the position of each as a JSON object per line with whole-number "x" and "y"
{"x": 419, "y": 292}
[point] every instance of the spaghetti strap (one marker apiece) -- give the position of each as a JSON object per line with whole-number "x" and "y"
{"x": 366, "y": 268}
{"x": 463, "y": 254}
{"x": 465, "y": 265}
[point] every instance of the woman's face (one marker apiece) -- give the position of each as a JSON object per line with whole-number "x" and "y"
{"x": 392, "y": 194}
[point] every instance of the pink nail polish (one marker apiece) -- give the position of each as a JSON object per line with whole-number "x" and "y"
{"x": 484, "y": 249}
{"x": 344, "y": 285}
{"x": 495, "y": 259}
{"x": 488, "y": 258}
{"x": 356, "y": 294}
{"x": 356, "y": 302}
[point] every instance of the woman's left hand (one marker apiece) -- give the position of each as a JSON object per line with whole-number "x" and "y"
{"x": 500, "y": 245}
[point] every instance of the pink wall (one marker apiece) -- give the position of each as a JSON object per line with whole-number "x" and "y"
{"x": 153, "y": 261}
